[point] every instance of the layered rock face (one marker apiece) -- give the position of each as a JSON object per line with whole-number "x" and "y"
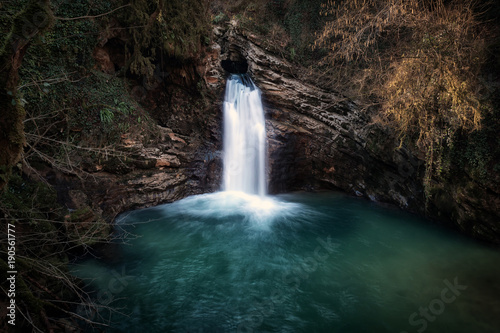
{"x": 317, "y": 139}
{"x": 175, "y": 168}
{"x": 183, "y": 159}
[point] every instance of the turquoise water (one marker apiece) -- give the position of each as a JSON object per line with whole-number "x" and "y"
{"x": 324, "y": 262}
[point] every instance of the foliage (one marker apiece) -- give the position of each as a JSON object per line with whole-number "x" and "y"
{"x": 82, "y": 108}
{"x": 285, "y": 27}
{"x": 19, "y": 197}
{"x": 479, "y": 151}
{"x": 72, "y": 41}
{"x": 45, "y": 290}
{"x": 220, "y": 18}
{"x": 177, "y": 28}
{"x": 9, "y": 11}
{"x": 421, "y": 61}
{"x": 106, "y": 115}
{"x": 73, "y": 112}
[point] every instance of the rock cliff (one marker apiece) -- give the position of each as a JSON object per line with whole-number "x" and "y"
{"x": 320, "y": 139}
{"x": 317, "y": 139}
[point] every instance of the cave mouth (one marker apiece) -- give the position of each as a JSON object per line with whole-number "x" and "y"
{"x": 234, "y": 60}
{"x": 235, "y": 66}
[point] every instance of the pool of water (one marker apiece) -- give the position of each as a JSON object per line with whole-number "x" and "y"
{"x": 302, "y": 262}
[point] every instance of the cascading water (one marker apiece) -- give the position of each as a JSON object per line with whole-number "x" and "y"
{"x": 244, "y": 137}
{"x": 299, "y": 262}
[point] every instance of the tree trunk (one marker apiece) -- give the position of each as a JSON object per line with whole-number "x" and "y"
{"x": 34, "y": 19}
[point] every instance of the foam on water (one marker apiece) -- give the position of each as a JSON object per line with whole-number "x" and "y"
{"x": 257, "y": 211}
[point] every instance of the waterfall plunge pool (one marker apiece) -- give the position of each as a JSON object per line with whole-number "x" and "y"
{"x": 301, "y": 262}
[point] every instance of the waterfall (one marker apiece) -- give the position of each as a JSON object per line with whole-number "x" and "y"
{"x": 244, "y": 137}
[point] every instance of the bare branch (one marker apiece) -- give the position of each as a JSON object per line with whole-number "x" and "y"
{"x": 91, "y": 17}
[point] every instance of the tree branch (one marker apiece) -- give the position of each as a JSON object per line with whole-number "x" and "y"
{"x": 89, "y": 17}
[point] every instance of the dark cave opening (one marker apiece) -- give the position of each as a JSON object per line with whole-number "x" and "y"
{"x": 235, "y": 67}
{"x": 234, "y": 61}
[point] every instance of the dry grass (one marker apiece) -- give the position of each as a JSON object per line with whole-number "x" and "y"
{"x": 420, "y": 60}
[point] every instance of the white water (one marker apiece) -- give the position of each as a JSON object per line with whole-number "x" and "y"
{"x": 244, "y": 138}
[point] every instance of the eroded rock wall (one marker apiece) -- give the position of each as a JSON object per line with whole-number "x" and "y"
{"x": 318, "y": 139}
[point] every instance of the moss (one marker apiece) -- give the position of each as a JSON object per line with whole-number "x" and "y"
{"x": 477, "y": 152}
{"x": 175, "y": 28}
